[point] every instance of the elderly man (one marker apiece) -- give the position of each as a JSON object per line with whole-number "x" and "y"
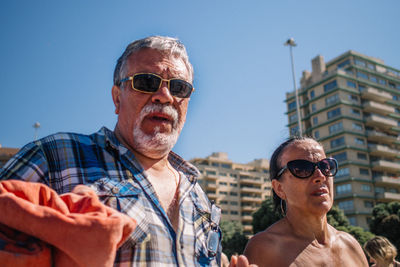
{"x": 132, "y": 168}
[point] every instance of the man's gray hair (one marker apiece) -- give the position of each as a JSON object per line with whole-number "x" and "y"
{"x": 161, "y": 43}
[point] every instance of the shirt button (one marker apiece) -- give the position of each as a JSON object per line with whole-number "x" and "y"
{"x": 115, "y": 190}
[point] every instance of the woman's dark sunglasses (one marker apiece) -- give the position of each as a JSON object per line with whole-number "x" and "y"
{"x": 302, "y": 168}
{"x": 149, "y": 83}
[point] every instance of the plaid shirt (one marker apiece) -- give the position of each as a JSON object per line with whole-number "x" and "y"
{"x": 65, "y": 160}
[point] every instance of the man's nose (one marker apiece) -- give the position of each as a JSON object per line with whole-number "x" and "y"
{"x": 163, "y": 94}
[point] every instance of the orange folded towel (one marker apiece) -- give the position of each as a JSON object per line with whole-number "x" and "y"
{"x": 81, "y": 230}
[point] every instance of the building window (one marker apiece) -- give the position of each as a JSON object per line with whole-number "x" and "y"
{"x": 373, "y": 79}
{"x": 333, "y": 113}
{"x": 227, "y": 166}
{"x": 366, "y": 187}
{"x": 292, "y": 105}
{"x": 346, "y": 205}
{"x": 224, "y": 211}
{"x": 351, "y": 84}
{"x": 234, "y": 203}
{"x": 337, "y": 142}
{"x": 355, "y": 112}
{"x": 359, "y": 141}
{"x": 316, "y": 134}
{"x": 223, "y": 202}
{"x": 334, "y": 128}
{"x": 357, "y": 126}
{"x": 364, "y": 171}
{"x": 315, "y": 120}
{"x": 343, "y": 172}
{"x": 294, "y": 130}
{"x": 332, "y": 99}
{"x": 370, "y": 66}
{"x": 234, "y": 212}
{"x": 223, "y": 193}
{"x": 211, "y": 173}
{"x": 383, "y": 82}
{"x": 362, "y": 75}
{"x": 313, "y": 107}
{"x": 330, "y": 86}
{"x": 368, "y": 204}
{"x": 359, "y": 62}
{"x": 362, "y": 156}
{"x": 343, "y": 189}
{"x": 223, "y": 183}
{"x": 341, "y": 156}
{"x": 343, "y": 64}
{"x": 215, "y": 164}
{"x": 379, "y": 190}
{"x": 233, "y": 184}
{"x": 352, "y": 220}
{"x": 233, "y": 193}
{"x": 353, "y": 98}
{"x": 312, "y": 94}
{"x": 293, "y": 118}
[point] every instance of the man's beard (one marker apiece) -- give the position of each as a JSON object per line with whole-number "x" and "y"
{"x": 157, "y": 144}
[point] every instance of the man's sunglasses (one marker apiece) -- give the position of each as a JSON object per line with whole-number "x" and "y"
{"x": 302, "y": 168}
{"x": 149, "y": 83}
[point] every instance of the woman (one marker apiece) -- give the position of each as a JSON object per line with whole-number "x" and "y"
{"x": 381, "y": 252}
{"x": 302, "y": 181}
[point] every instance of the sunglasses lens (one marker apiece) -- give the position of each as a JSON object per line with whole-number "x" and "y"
{"x": 180, "y": 88}
{"x": 146, "y": 83}
{"x": 328, "y": 167}
{"x": 301, "y": 168}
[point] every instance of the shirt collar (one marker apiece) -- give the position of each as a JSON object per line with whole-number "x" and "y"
{"x": 108, "y": 141}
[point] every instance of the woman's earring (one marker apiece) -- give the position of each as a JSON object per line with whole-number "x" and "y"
{"x": 282, "y": 210}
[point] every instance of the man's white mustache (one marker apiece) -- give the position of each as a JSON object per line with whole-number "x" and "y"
{"x": 161, "y": 108}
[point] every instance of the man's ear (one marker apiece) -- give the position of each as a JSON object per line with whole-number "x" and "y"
{"x": 116, "y": 95}
{"x": 278, "y": 188}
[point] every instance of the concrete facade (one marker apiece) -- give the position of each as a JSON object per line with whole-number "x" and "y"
{"x": 237, "y": 188}
{"x": 6, "y": 153}
{"x": 351, "y": 105}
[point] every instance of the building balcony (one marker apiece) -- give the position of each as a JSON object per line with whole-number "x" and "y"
{"x": 252, "y": 181}
{"x": 247, "y": 228}
{"x": 251, "y": 199}
{"x": 385, "y": 165}
{"x": 250, "y": 208}
{"x": 382, "y": 150}
{"x": 248, "y": 189}
{"x": 247, "y": 218}
{"x": 210, "y": 177}
{"x": 380, "y": 121}
{"x": 375, "y": 107}
{"x": 387, "y": 180}
{"x": 388, "y": 196}
{"x": 375, "y": 94}
{"x": 381, "y": 137}
{"x": 211, "y": 186}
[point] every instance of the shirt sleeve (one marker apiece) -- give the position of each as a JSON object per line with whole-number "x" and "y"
{"x": 29, "y": 164}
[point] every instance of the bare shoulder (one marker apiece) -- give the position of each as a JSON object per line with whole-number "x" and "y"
{"x": 349, "y": 247}
{"x": 265, "y": 247}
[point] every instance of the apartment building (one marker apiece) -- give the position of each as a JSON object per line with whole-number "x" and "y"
{"x": 351, "y": 104}
{"x": 237, "y": 188}
{"x": 6, "y": 153}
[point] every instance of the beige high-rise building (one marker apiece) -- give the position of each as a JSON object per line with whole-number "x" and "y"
{"x": 237, "y": 188}
{"x": 6, "y": 153}
{"x": 351, "y": 104}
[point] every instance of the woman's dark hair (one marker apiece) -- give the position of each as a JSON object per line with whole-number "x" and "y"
{"x": 274, "y": 165}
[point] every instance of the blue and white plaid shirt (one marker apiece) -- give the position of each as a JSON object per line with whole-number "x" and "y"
{"x": 65, "y": 160}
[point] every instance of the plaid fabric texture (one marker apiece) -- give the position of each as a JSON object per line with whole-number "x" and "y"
{"x": 64, "y": 160}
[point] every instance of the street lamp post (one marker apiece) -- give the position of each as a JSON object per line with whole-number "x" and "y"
{"x": 291, "y": 43}
{"x": 36, "y": 126}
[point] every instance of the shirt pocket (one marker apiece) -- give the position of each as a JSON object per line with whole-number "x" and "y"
{"x": 126, "y": 197}
{"x": 203, "y": 232}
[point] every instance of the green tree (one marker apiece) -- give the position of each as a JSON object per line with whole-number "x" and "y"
{"x": 265, "y": 216}
{"x": 385, "y": 221}
{"x": 233, "y": 239}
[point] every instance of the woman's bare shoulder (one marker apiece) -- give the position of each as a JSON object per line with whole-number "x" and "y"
{"x": 264, "y": 247}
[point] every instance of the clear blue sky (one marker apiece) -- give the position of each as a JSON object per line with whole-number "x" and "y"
{"x": 57, "y": 60}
